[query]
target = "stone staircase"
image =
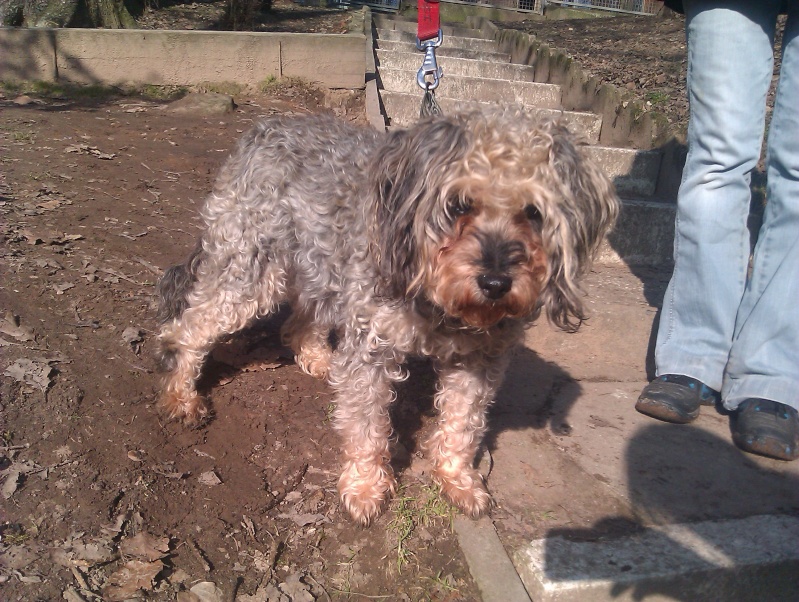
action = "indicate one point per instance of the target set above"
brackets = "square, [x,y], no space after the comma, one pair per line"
[475,73]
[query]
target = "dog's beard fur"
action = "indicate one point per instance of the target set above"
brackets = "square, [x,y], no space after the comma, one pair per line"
[443,240]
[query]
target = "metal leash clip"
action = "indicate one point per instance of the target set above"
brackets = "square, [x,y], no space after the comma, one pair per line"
[429,66]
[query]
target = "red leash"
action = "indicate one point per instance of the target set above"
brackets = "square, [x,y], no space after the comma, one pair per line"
[428,38]
[429,21]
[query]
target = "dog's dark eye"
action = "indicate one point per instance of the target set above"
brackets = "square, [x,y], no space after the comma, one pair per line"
[460,207]
[533,214]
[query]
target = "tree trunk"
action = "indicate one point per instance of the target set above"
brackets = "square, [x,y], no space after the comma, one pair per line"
[111,14]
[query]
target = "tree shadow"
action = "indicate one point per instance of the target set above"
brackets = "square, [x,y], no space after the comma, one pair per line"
[34,55]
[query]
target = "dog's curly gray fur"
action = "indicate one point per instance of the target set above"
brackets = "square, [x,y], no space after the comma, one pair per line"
[445,240]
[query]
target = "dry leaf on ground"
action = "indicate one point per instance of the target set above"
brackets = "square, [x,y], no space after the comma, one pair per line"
[30,372]
[130,578]
[145,546]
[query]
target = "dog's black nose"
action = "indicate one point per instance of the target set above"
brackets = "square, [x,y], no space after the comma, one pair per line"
[493,285]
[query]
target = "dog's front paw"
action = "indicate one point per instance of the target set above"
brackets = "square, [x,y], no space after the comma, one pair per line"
[190,409]
[466,492]
[365,489]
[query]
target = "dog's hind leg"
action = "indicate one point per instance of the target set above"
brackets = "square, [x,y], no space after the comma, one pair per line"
[310,342]
[227,291]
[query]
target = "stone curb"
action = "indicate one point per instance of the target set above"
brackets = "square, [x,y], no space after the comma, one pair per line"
[488,562]
[754,558]
[373,113]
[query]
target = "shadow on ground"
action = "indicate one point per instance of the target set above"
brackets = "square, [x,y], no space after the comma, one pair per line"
[683,475]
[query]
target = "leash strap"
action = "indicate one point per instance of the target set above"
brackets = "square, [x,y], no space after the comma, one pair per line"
[429,22]
[428,38]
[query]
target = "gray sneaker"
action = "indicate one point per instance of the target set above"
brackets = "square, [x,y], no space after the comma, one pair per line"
[675,398]
[766,428]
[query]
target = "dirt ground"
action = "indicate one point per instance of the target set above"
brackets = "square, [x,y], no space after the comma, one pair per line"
[285,15]
[101,497]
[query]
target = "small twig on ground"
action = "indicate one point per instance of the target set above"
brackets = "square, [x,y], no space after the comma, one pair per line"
[201,556]
[116,198]
[122,276]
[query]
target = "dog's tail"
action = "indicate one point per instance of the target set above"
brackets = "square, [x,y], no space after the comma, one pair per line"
[174,286]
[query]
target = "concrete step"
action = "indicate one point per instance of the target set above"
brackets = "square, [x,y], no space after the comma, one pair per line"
[390,21]
[644,234]
[411,61]
[753,558]
[403,110]
[476,88]
[444,52]
[449,42]
[633,171]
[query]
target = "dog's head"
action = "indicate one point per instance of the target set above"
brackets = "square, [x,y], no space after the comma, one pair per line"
[489,215]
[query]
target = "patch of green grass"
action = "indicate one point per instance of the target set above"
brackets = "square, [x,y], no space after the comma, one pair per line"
[442,585]
[277,85]
[153,92]
[548,515]
[44,89]
[329,412]
[22,136]
[434,507]
[402,526]
[229,88]
[39,177]
[15,539]
[269,84]
[65,90]
[411,512]
[657,98]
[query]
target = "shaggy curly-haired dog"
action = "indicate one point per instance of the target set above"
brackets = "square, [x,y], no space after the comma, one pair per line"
[443,240]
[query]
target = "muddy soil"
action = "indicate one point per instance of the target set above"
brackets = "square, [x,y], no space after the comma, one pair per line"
[100,496]
[285,16]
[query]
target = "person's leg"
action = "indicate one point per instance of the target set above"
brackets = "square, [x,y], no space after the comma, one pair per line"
[730,58]
[761,384]
[764,361]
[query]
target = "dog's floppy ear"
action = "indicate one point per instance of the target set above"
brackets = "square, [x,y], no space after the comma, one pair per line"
[586,208]
[406,178]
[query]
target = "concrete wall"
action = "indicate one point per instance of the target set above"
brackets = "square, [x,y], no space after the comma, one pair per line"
[158,57]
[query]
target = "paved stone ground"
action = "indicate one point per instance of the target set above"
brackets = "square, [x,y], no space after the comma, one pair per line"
[574,462]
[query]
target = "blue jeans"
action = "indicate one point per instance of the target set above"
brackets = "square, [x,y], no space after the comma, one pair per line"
[734,329]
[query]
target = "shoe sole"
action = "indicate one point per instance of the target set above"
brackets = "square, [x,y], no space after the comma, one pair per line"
[758,428]
[664,411]
[765,446]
